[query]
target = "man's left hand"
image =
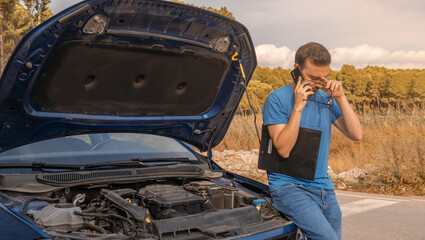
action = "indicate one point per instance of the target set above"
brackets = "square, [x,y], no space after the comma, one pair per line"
[336,88]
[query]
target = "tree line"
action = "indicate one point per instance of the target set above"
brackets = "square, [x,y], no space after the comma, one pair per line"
[17,17]
[368,88]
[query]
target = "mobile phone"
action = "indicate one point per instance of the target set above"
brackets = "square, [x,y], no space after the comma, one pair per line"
[297,73]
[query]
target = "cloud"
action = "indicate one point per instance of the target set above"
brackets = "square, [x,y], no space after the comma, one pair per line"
[59,5]
[360,56]
[271,56]
[391,24]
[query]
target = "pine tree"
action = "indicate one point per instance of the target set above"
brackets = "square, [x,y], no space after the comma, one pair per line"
[16,19]
[38,10]
[6,11]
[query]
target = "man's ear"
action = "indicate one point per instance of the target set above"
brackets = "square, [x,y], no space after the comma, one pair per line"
[295,65]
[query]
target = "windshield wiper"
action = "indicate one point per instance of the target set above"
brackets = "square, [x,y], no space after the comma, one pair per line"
[122,163]
[139,162]
[38,166]
[183,159]
[133,162]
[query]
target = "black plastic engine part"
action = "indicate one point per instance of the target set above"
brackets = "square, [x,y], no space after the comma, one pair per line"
[137,212]
[208,224]
[159,197]
[221,197]
[247,194]
[170,213]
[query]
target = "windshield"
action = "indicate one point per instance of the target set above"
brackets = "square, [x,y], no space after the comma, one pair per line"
[99,147]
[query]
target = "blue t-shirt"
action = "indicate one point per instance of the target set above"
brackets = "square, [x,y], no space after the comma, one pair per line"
[277,110]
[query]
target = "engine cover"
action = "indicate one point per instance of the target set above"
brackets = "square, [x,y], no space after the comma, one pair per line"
[159,198]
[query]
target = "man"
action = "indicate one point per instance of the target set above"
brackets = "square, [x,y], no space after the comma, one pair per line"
[310,203]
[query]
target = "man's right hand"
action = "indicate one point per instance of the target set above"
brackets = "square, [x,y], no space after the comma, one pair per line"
[284,136]
[302,91]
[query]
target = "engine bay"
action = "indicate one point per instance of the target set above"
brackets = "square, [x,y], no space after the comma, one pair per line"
[178,209]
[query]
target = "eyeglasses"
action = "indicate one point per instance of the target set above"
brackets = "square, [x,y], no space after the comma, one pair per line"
[327,100]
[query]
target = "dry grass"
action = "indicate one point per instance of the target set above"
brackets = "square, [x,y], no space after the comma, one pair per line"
[394,142]
[241,134]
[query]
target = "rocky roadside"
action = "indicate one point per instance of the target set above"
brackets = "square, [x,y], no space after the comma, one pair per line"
[245,163]
[241,162]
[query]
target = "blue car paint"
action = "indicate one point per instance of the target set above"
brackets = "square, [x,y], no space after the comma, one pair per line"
[23,123]
[13,226]
[272,233]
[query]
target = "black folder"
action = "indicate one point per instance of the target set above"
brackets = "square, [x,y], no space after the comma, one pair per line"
[302,160]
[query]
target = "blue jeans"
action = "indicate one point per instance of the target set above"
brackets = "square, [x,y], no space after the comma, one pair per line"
[315,211]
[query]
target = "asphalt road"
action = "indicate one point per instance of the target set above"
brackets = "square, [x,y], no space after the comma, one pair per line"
[371,216]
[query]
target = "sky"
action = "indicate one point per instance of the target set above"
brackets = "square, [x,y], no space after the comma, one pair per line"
[388,33]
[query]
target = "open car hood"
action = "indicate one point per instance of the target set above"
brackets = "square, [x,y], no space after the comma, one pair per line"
[126,66]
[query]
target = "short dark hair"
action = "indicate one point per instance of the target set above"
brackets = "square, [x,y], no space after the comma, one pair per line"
[316,52]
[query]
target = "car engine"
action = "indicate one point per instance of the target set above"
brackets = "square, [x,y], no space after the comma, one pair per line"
[167,210]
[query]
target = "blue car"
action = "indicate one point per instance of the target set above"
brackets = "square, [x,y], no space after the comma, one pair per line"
[101,108]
